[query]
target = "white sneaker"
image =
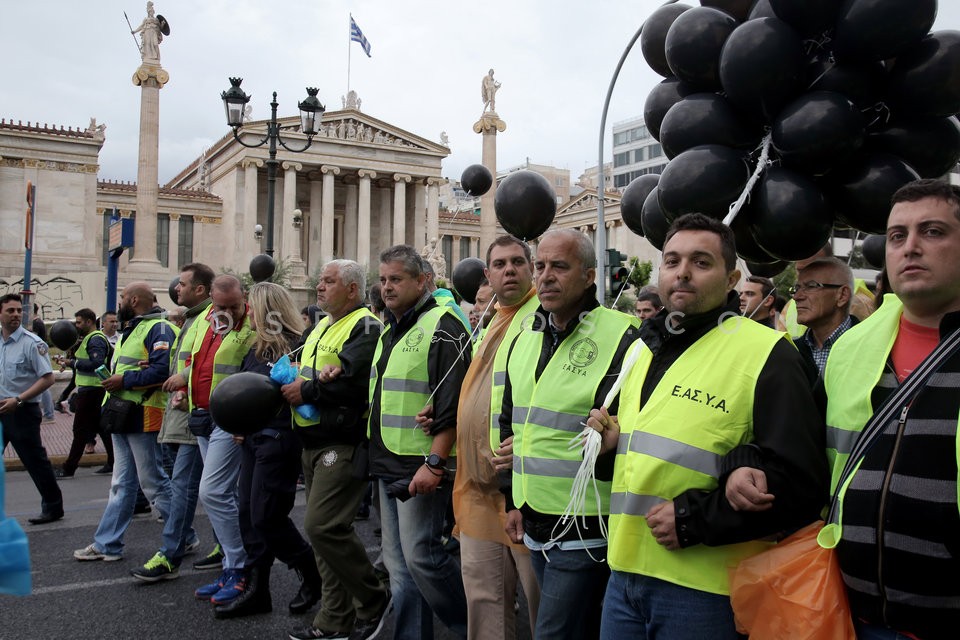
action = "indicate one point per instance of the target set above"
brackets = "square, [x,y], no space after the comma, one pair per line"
[90,552]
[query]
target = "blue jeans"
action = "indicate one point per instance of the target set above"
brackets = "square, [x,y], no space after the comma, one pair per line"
[185,483]
[423,576]
[571,591]
[136,458]
[46,404]
[872,632]
[646,608]
[218,494]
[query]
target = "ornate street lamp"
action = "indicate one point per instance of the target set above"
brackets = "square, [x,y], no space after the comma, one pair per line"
[311,110]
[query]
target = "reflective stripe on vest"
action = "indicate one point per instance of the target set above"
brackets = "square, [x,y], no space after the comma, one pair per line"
[185,341]
[323,347]
[548,412]
[130,353]
[854,367]
[700,410]
[230,354]
[522,319]
[405,386]
[84,379]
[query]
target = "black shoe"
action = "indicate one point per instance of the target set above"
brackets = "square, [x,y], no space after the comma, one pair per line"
[369,629]
[363,513]
[46,517]
[104,469]
[312,633]
[213,560]
[142,510]
[311,587]
[60,474]
[254,599]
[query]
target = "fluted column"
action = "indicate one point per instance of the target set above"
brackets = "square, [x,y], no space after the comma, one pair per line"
[289,235]
[419,213]
[350,217]
[363,217]
[326,213]
[250,194]
[384,222]
[399,208]
[433,208]
[312,228]
[455,251]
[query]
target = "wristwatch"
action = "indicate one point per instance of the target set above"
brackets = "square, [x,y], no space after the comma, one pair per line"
[19,400]
[434,461]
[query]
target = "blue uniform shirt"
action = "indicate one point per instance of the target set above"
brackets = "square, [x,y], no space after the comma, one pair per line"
[24,359]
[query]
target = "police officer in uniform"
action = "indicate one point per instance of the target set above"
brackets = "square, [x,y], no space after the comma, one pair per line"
[25,373]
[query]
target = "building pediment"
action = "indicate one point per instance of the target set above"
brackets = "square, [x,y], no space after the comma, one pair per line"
[589,200]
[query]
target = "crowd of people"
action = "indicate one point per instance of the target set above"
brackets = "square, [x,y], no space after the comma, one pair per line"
[725,420]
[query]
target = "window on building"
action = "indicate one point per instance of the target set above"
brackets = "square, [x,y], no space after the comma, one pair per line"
[185,241]
[639,155]
[620,159]
[654,151]
[163,239]
[621,180]
[622,137]
[446,246]
[639,133]
[464,248]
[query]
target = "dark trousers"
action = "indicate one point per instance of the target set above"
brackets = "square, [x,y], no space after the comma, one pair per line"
[21,428]
[86,426]
[267,488]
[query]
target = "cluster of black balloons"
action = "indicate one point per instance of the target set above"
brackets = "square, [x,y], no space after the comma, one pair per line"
[854,98]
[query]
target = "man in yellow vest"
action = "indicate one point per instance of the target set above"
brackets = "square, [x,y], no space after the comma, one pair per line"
[354,600]
[146,338]
[561,365]
[710,392]
[900,519]
[421,359]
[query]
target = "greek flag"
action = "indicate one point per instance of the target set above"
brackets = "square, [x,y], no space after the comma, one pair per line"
[357,36]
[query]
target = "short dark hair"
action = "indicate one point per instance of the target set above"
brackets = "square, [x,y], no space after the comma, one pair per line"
[200,274]
[700,222]
[779,302]
[108,313]
[412,262]
[86,314]
[376,300]
[483,282]
[10,297]
[766,284]
[650,296]
[928,188]
[505,241]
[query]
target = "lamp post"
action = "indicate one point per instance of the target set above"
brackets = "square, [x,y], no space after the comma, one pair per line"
[234,101]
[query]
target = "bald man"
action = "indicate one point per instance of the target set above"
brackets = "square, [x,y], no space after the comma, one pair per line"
[133,414]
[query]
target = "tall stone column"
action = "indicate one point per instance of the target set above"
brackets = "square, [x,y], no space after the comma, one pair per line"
[250,195]
[384,221]
[399,208]
[289,234]
[311,223]
[150,77]
[488,125]
[173,248]
[363,217]
[419,213]
[326,213]
[433,208]
[350,217]
[455,256]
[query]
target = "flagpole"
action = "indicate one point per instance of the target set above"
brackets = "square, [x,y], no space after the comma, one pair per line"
[349,40]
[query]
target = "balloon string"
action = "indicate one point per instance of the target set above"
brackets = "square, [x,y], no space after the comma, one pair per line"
[745,195]
[620,293]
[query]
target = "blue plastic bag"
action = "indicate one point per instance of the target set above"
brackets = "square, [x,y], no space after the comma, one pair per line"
[284,372]
[14,552]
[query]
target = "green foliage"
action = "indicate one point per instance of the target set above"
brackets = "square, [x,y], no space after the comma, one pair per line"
[785,279]
[639,272]
[281,275]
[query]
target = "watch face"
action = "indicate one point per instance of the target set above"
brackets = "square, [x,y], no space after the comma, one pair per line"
[434,460]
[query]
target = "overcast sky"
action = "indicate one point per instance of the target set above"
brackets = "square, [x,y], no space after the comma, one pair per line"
[67,61]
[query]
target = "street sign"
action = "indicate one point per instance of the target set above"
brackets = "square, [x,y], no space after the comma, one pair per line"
[121,234]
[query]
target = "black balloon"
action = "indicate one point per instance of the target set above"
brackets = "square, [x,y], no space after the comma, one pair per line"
[663,96]
[817,131]
[930,145]
[874,250]
[705,179]
[861,193]
[761,67]
[655,224]
[466,277]
[808,17]
[877,29]
[747,247]
[632,199]
[476,180]
[63,334]
[654,35]
[262,267]
[704,118]
[693,45]
[790,218]
[245,402]
[739,9]
[172,290]
[864,83]
[525,204]
[925,80]
[762,9]
[767,270]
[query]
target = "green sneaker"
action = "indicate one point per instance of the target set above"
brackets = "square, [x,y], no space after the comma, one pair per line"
[213,560]
[157,568]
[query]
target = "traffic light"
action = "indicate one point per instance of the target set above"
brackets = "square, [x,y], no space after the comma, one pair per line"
[618,273]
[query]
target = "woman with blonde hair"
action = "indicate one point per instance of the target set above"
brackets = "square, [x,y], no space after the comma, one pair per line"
[270,465]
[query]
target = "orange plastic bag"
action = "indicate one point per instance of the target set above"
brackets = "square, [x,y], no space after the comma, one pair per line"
[792,591]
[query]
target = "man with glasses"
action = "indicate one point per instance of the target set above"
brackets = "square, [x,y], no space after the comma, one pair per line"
[823,295]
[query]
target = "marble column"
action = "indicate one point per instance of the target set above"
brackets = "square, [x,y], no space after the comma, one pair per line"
[150,77]
[384,222]
[488,125]
[289,234]
[350,217]
[455,252]
[419,213]
[363,217]
[399,208]
[433,208]
[313,228]
[250,215]
[173,244]
[326,213]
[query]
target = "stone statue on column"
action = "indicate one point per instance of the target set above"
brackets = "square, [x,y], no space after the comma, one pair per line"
[151,35]
[488,91]
[431,254]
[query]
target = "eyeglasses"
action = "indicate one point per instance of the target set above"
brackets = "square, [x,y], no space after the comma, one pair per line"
[812,285]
